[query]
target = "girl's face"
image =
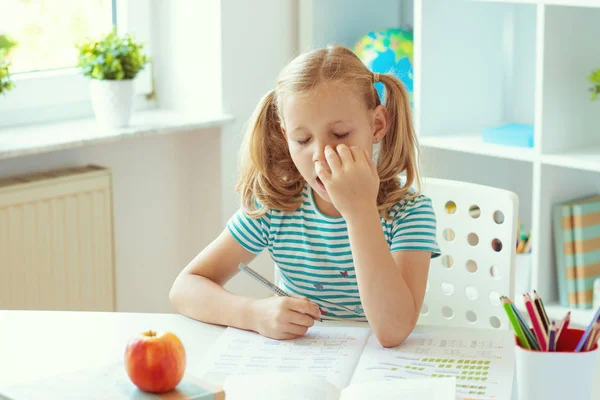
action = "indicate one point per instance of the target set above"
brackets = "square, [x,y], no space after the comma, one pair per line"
[329,115]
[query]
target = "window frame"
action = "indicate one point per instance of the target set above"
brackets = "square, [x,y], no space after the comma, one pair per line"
[65,93]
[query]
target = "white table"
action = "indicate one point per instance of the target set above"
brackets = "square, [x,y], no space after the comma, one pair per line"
[38,344]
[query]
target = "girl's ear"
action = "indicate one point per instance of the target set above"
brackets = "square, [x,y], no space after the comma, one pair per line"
[380,123]
[283,131]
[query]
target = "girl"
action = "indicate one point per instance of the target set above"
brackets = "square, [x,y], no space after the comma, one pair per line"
[339,226]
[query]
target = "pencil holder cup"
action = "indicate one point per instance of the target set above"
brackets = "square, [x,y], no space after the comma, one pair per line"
[561,374]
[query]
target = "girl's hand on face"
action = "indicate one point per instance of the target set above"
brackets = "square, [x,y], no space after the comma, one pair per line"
[351,179]
[284,317]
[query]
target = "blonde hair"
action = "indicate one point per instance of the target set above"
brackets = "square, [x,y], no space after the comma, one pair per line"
[268,177]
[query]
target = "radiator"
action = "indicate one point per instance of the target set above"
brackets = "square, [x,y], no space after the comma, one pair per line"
[56,241]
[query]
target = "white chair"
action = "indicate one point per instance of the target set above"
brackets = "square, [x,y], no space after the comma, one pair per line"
[477,233]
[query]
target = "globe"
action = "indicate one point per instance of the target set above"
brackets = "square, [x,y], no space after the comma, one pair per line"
[388,51]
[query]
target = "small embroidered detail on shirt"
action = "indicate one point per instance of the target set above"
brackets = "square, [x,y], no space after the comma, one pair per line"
[323,312]
[344,273]
[319,286]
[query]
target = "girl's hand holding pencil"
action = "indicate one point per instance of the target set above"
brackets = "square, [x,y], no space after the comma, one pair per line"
[545,333]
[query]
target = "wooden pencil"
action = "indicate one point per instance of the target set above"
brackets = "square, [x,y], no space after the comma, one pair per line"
[552,337]
[542,336]
[541,310]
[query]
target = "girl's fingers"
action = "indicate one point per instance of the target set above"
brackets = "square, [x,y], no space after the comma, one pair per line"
[307,308]
[295,329]
[358,155]
[300,319]
[345,154]
[322,172]
[333,159]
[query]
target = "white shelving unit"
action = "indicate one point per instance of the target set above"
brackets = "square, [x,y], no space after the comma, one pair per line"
[481,63]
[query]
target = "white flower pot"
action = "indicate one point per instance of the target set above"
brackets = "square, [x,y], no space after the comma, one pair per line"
[112,102]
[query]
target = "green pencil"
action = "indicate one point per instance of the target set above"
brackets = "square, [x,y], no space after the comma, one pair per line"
[515,324]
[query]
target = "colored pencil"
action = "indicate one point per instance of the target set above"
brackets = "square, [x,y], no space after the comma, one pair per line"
[552,337]
[541,335]
[515,324]
[541,310]
[562,327]
[593,336]
[586,334]
[533,343]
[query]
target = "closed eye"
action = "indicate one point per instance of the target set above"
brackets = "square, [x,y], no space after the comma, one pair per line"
[305,141]
[341,135]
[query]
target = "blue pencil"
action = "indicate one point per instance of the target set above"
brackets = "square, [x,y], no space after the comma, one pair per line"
[586,334]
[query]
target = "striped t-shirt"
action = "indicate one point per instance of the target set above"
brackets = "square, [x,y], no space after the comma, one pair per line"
[313,251]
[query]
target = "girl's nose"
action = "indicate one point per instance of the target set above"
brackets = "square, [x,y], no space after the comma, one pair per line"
[319,153]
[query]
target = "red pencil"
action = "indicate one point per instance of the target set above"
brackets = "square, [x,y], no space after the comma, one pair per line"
[542,336]
[562,327]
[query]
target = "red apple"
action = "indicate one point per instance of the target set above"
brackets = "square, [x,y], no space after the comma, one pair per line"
[155,361]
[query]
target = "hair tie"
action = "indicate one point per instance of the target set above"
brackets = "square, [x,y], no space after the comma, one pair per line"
[375,77]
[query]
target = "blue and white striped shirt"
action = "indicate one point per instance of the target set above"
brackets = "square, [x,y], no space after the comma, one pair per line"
[313,251]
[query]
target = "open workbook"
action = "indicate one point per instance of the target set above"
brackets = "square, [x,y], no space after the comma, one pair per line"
[338,362]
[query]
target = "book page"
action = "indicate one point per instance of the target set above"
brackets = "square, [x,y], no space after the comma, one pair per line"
[279,385]
[405,389]
[330,352]
[481,360]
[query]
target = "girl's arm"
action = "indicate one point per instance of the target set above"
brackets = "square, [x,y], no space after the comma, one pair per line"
[391,285]
[199,294]
[198,290]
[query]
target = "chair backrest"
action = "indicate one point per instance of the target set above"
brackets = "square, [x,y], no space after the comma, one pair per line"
[476,232]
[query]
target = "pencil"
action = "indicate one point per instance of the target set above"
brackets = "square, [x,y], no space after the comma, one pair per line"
[532,340]
[537,326]
[541,310]
[515,324]
[593,337]
[552,337]
[586,334]
[562,327]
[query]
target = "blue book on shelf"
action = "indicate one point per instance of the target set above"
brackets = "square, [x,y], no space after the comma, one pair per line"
[520,135]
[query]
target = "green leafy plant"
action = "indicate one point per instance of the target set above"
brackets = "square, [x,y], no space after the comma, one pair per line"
[113,57]
[594,79]
[6,42]
[5,83]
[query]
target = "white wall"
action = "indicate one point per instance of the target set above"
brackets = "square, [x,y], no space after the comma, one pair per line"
[187,55]
[258,38]
[162,213]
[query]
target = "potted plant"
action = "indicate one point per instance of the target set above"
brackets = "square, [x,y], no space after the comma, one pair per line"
[594,79]
[112,63]
[5,83]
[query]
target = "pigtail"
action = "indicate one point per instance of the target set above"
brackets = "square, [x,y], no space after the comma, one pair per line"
[268,178]
[398,152]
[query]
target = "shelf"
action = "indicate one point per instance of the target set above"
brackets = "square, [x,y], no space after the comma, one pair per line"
[582,158]
[571,3]
[472,143]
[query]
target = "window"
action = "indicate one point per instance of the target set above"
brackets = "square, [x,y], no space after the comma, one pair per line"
[41,36]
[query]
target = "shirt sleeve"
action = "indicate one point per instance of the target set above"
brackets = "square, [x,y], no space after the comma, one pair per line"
[414,227]
[252,234]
